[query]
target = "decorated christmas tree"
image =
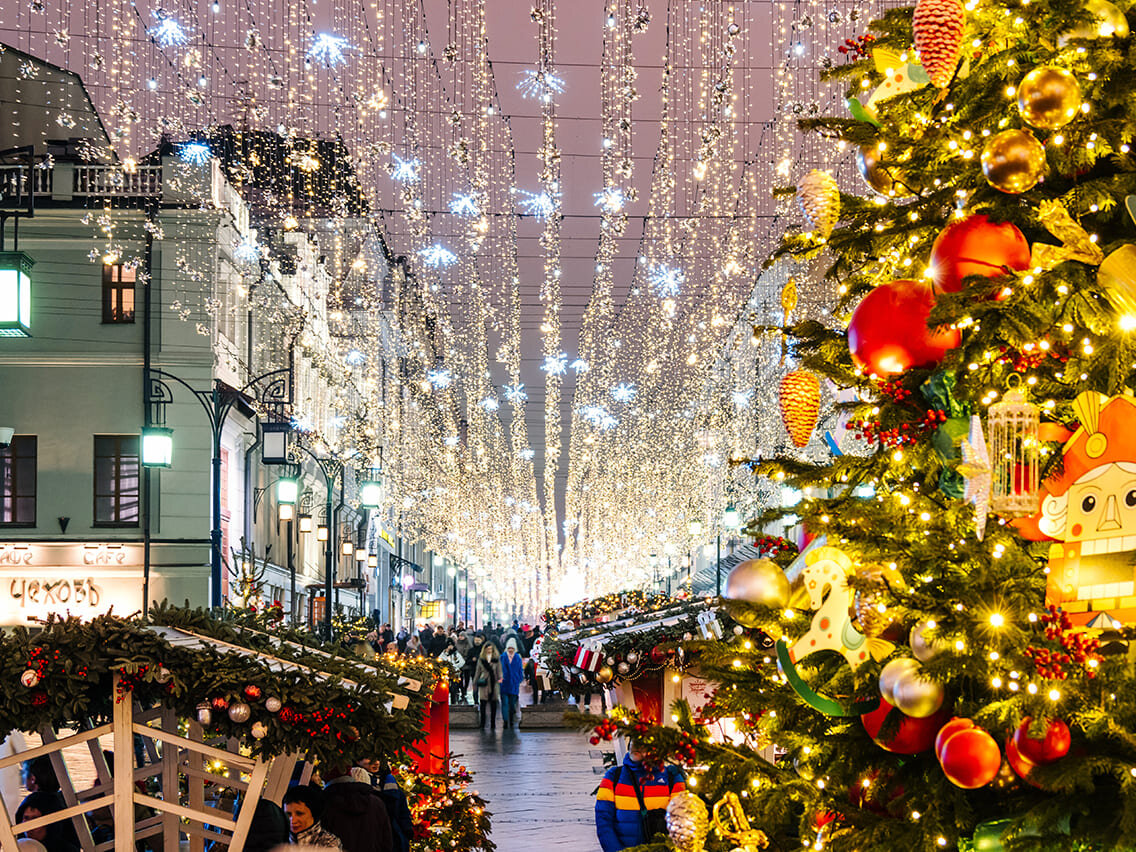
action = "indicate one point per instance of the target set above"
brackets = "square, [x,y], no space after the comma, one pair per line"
[947,664]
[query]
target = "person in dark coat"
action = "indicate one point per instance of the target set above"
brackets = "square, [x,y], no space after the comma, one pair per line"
[54,837]
[304,805]
[269,827]
[512,675]
[398,809]
[487,681]
[356,813]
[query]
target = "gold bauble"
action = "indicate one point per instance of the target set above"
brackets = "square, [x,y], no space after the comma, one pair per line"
[1110,21]
[884,179]
[1118,275]
[1013,161]
[891,674]
[756,581]
[1049,97]
[924,648]
[688,822]
[873,601]
[917,696]
[605,674]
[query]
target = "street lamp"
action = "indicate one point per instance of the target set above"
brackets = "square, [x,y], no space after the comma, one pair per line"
[15,294]
[322,532]
[305,520]
[274,442]
[371,491]
[695,528]
[157,446]
[730,520]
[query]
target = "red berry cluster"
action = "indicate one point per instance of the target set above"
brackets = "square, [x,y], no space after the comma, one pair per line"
[128,681]
[771,545]
[684,751]
[1024,361]
[857,47]
[904,433]
[893,390]
[605,730]
[1078,647]
[318,722]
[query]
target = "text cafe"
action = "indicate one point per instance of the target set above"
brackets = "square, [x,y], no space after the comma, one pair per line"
[78,579]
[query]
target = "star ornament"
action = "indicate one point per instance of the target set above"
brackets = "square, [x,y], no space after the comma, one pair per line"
[976,469]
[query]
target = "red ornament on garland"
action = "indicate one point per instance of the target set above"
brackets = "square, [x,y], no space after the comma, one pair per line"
[252,692]
[799,398]
[913,736]
[976,246]
[1053,745]
[888,332]
[938,29]
[970,758]
[659,655]
[220,703]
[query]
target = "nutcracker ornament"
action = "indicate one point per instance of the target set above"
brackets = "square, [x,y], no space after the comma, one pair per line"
[1089,509]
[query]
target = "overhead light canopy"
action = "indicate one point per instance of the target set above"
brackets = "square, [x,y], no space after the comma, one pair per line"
[15,294]
[157,446]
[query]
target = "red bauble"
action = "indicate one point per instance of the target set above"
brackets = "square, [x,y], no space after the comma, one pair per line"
[976,246]
[888,332]
[252,691]
[971,758]
[220,703]
[913,736]
[659,655]
[1054,745]
[594,740]
[949,730]
[1020,764]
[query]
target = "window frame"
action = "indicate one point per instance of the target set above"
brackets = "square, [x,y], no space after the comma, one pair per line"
[112,287]
[7,454]
[118,494]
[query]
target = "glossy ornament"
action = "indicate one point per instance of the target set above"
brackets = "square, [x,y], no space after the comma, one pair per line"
[29,678]
[272,704]
[959,723]
[1013,161]
[259,730]
[688,822]
[204,715]
[1117,274]
[1013,424]
[976,246]
[756,581]
[605,674]
[916,695]
[938,29]
[911,737]
[819,199]
[1110,21]
[633,657]
[799,400]
[970,758]
[888,331]
[883,178]
[623,668]
[1049,97]
[922,647]
[164,675]
[872,603]
[239,712]
[1052,746]
[891,674]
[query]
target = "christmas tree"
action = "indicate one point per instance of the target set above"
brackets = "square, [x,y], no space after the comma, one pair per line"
[946,666]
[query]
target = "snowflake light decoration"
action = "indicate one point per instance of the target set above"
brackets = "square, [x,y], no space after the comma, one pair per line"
[195,153]
[741,398]
[580,365]
[594,414]
[464,205]
[329,49]
[608,422]
[623,392]
[354,358]
[338,421]
[438,256]
[611,199]
[537,84]
[452,440]
[515,393]
[405,171]
[169,33]
[538,205]
[247,251]
[667,280]
[557,365]
[303,423]
[440,378]
[527,454]
[490,403]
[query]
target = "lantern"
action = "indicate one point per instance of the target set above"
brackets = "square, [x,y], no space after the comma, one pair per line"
[15,294]
[1014,454]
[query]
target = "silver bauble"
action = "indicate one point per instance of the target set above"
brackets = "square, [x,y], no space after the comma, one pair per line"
[272,704]
[239,712]
[623,668]
[756,581]
[688,822]
[916,696]
[632,657]
[204,714]
[923,648]
[892,672]
[259,730]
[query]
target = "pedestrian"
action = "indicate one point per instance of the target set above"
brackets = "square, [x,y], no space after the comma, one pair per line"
[303,805]
[477,643]
[386,634]
[438,641]
[487,679]
[401,638]
[353,811]
[269,827]
[512,675]
[54,837]
[398,810]
[464,645]
[452,658]
[414,647]
[632,799]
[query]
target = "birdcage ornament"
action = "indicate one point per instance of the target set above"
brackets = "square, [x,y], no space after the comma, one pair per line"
[1014,454]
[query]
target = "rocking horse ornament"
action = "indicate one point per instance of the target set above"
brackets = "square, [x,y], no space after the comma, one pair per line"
[824,572]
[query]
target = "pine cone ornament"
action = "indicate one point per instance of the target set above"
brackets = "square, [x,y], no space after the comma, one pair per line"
[938,26]
[688,822]
[819,198]
[800,404]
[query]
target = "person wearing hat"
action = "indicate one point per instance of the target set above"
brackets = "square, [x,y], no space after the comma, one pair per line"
[303,805]
[632,799]
[464,645]
[487,679]
[512,675]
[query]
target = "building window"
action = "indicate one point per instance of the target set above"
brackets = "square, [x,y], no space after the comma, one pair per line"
[116,480]
[118,293]
[18,482]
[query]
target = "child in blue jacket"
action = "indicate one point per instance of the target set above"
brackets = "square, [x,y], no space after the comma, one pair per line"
[619,822]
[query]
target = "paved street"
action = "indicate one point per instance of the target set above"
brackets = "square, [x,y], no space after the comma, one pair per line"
[538,784]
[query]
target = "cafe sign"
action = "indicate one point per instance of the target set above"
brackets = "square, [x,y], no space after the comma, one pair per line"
[83,580]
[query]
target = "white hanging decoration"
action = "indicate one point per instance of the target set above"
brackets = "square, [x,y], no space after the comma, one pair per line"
[975,468]
[1014,451]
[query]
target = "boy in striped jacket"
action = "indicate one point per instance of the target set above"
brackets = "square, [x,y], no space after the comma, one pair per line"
[620,818]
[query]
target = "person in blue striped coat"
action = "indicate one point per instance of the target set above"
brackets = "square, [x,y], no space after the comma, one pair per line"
[631,798]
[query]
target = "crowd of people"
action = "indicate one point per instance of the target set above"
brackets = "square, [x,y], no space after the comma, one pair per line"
[488,666]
